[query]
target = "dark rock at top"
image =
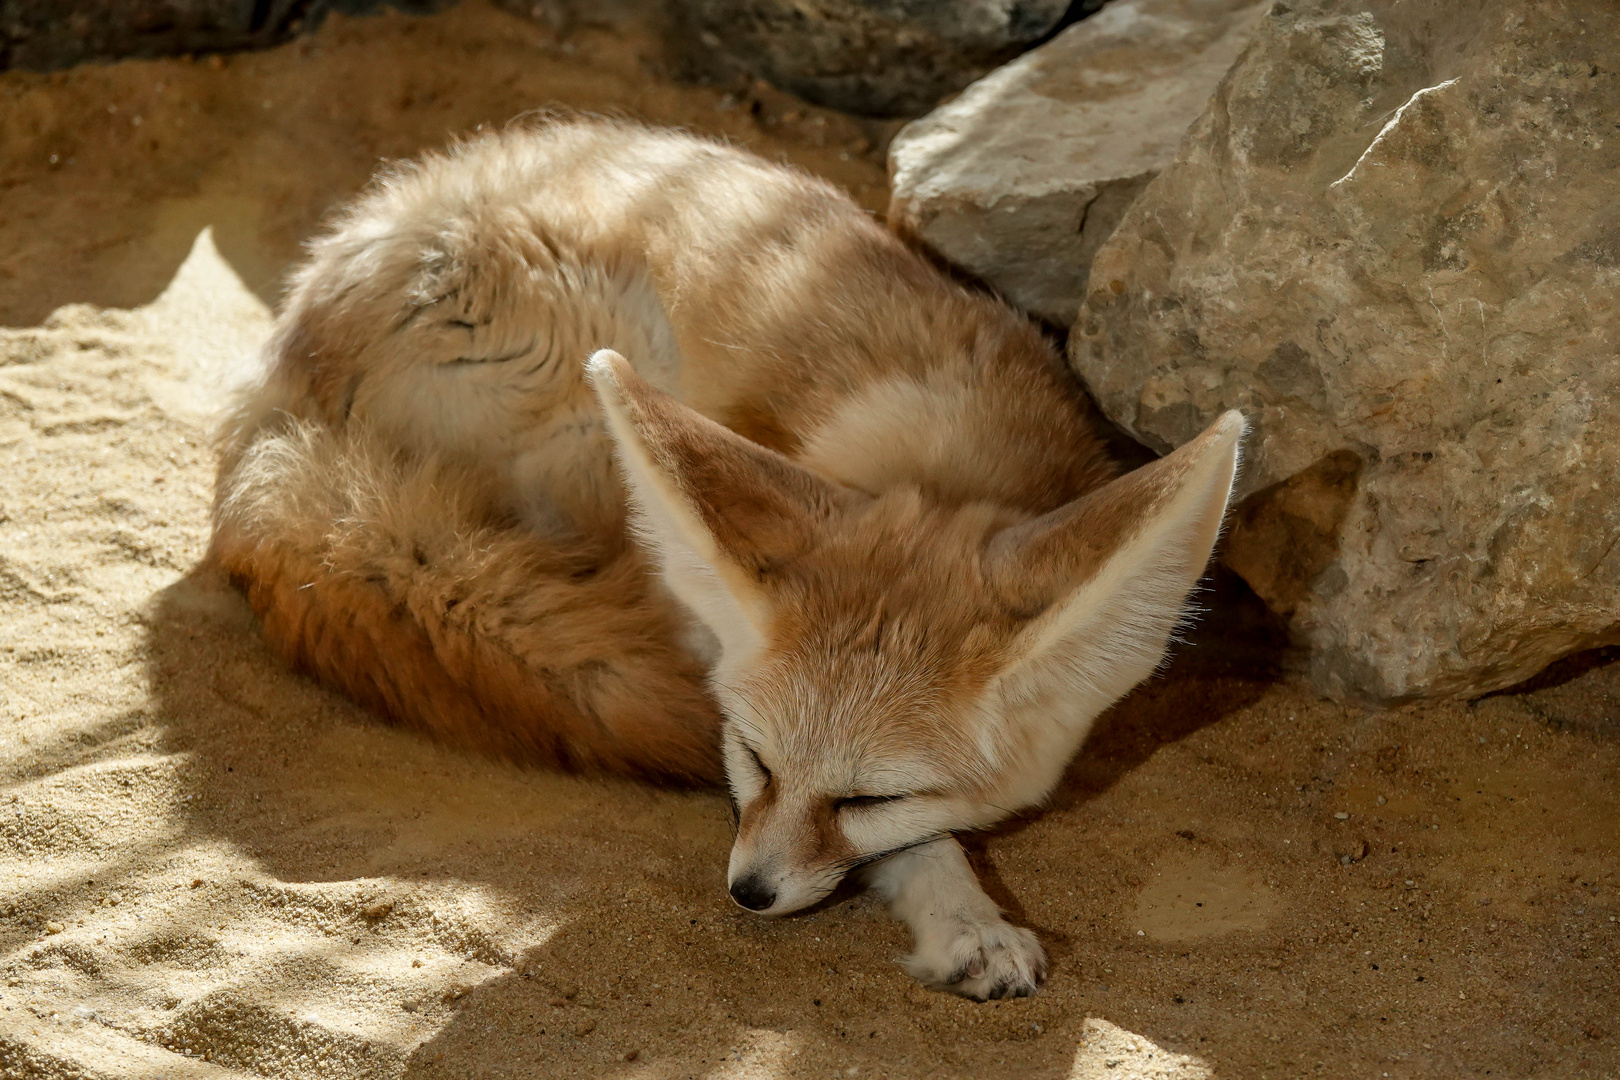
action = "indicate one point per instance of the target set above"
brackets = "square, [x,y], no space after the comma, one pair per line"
[46,34]
[875,57]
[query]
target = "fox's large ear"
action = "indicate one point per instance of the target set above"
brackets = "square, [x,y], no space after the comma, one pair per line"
[1105,579]
[720,512]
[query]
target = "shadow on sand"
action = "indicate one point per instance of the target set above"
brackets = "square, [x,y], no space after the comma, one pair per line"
[640,952]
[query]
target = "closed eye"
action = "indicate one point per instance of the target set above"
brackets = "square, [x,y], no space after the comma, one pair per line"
[766,773]
[859,802]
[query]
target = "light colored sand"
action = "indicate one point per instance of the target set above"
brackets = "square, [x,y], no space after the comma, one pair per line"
[202,851]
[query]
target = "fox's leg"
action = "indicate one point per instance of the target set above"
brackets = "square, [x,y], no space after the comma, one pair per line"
[962,943]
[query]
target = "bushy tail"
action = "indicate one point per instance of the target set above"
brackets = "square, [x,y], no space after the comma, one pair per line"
[389,581]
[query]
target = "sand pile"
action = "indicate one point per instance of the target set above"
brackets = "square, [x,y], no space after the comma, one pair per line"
[211,867]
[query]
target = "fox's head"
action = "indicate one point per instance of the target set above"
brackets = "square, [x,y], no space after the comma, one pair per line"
[892,670]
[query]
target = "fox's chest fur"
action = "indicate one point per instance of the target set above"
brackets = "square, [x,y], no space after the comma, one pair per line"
[895,577]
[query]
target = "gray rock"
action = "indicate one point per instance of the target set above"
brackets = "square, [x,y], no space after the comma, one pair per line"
[1393,239]
[1021,178]
[875,57]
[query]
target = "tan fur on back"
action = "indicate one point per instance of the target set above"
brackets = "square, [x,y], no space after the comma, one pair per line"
[420,497]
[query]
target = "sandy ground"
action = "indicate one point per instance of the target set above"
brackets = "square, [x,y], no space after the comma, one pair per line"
[210,867]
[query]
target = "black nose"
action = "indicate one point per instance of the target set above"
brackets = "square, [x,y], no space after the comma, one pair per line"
[753,893]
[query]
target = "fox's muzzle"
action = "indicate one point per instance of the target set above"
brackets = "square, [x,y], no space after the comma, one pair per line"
[768,886]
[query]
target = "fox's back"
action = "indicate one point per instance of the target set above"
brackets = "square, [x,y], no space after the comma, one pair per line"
[452,308]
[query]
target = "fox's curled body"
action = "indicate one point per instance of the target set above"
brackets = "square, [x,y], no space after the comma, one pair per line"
[828,531]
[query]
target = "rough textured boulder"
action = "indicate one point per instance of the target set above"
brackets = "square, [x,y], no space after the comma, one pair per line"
[1021,178]
[1393,239]
[877,57]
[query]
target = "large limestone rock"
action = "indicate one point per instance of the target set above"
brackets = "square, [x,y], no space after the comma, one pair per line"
[1393,239]
[877,57]
[1021,178]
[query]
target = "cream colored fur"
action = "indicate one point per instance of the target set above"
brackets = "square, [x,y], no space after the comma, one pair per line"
[896,579]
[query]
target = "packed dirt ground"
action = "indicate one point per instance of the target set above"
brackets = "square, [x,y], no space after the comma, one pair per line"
[211,867]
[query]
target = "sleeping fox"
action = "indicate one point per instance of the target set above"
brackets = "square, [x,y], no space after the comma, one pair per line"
[616,449]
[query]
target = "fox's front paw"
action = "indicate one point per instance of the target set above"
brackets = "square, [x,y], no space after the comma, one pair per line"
[980,961]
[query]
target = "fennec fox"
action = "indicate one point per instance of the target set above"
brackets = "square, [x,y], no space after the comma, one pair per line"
[621,450]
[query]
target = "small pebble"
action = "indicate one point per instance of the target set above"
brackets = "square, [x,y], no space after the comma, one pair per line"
[378,910]
[1341,816]
[54,928]
[585,1027]
[631,1055]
